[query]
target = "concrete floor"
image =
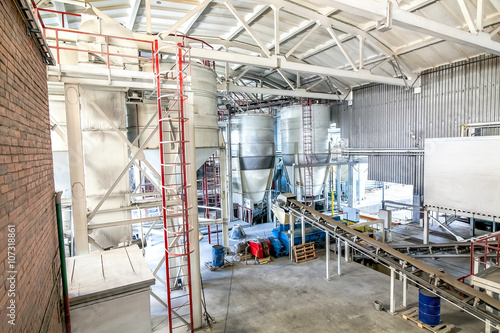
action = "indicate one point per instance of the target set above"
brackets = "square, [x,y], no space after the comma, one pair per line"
[285,297]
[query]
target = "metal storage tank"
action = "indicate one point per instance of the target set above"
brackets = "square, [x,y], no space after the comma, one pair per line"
[252,152]
[201,90]
[292,145]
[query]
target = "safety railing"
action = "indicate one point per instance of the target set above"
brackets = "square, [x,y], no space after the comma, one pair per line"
[65,39]
[485,253]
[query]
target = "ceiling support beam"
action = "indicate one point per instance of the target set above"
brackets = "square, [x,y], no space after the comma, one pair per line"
[186,17]
[256,14]
[63,19]
[277,92]
[361,52]
[480,15]
[467,16]
[148,17]
[286,79]
[280,62]
[133,14]
[189,24]
[242,73]
[247,28]
[342,48]
[276,29]
[496,4]
[376,11]
[294,32]
[302,40]
[315,83]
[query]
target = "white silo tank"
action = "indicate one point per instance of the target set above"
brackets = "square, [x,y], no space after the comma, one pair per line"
[252,151]
[292,143]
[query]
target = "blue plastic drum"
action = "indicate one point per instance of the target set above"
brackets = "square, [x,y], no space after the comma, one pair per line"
[429,308]
[217,255]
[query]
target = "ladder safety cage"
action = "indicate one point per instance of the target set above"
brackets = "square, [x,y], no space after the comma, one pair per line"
[174,164]
[307,147]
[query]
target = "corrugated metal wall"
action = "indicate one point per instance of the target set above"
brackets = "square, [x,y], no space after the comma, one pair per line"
[383,116]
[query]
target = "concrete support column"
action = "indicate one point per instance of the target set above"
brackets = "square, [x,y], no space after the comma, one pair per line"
[392,300]
[193,221]
[472,225]
[426,227]
[76,168]
[224,193]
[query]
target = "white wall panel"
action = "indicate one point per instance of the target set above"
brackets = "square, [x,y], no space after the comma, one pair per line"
[463,174]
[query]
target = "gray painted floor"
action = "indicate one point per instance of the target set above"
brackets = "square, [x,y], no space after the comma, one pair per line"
[286,297]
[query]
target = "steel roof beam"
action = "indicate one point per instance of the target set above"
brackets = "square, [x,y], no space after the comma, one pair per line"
[133,14]
[256,14]
[401,18]
[277,92]
[186,18]
[247,28]
[280,62]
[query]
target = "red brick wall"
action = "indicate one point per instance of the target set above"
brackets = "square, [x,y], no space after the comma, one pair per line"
[26,182]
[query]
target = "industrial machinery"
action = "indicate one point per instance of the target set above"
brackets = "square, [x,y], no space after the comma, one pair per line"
[252,153]
[465,297]
[306,148]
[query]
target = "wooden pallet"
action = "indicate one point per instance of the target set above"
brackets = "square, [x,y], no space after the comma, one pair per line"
[209,265]
[412,315]
[304,252]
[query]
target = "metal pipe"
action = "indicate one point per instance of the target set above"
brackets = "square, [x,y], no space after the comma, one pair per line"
[327,246]
[76,168]
[229,169]
[269,203]
[392,301]
[338,179]
[224,191]
[292,234]
[62,257]
[303,231]
[339,257]
[346,250]
[426,227]
[405,290]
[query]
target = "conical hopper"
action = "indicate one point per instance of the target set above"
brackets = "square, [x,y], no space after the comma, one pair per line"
[252,151]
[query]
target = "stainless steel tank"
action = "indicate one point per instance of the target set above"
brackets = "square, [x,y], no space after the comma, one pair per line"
[252,152]
[292,145]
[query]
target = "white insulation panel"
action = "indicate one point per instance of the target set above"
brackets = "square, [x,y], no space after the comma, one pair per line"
[463,174]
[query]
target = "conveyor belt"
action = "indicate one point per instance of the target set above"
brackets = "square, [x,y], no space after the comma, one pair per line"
[446,286]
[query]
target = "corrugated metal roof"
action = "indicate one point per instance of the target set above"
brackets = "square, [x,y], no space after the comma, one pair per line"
[415,50]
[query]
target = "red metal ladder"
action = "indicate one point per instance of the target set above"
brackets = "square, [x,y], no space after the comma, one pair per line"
[308,143]
[211,190]
[174,183]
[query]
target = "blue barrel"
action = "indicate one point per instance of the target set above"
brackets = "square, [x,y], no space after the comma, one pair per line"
[217,255]
[429,308]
